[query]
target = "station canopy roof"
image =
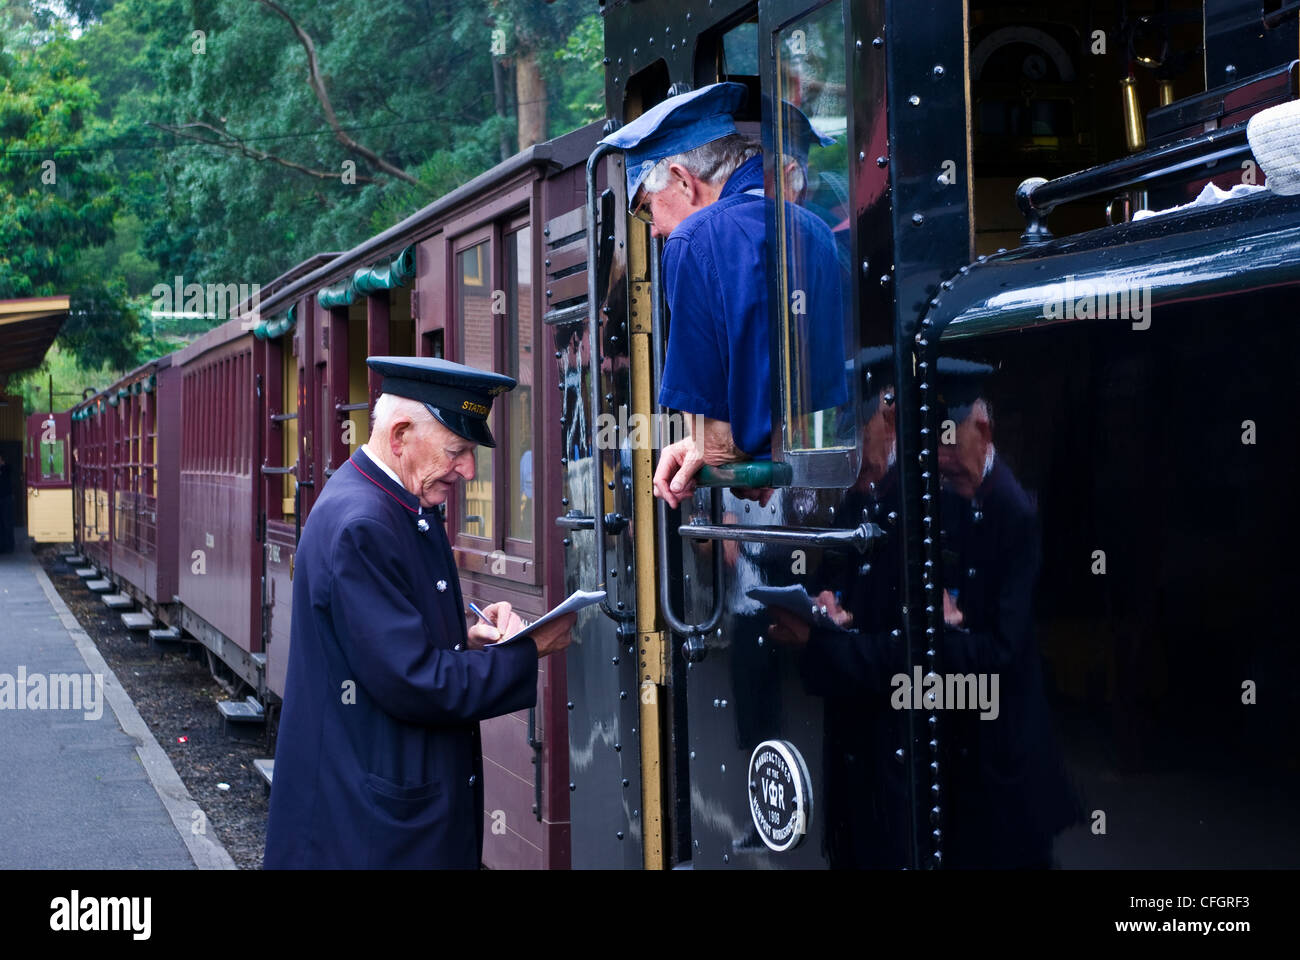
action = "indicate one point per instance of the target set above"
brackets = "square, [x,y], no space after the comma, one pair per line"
[27,328]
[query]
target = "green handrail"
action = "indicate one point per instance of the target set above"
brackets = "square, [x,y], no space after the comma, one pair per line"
[748,473]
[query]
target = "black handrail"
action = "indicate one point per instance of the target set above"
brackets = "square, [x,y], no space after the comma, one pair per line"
[1037,197]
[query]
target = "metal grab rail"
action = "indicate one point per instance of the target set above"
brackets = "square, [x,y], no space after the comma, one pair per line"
[1037,197]
[675,623]
[593,333]
[861,538]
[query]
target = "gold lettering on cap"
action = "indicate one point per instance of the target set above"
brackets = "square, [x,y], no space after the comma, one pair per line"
[475,408]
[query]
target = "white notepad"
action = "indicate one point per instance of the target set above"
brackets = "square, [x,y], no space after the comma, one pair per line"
[572,604]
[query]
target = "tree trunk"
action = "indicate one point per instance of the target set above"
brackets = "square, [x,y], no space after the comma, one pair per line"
[530,91]
[499,93]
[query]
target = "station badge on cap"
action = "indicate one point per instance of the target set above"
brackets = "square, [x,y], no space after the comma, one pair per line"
[674,126]
[459,397]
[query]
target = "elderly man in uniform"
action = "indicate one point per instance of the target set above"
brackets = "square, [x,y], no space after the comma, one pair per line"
[699,183]
[378,761]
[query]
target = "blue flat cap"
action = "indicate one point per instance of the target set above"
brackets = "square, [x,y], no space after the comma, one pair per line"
[674,126]
[459,397]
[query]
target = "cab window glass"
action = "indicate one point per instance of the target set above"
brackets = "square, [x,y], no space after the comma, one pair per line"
[817,336]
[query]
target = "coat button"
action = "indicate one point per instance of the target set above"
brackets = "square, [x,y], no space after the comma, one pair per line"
[473,779]
[423,524]
[441,585]
[457,647]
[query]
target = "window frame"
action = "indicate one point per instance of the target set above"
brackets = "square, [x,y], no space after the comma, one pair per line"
[496,222]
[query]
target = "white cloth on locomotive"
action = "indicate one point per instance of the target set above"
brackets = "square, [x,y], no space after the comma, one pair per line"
[1209,197]
[1274,136]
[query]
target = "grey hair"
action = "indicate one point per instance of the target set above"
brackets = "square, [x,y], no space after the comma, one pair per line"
[713,162]
[390,407]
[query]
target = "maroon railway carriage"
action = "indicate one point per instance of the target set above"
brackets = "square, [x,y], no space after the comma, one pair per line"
[455,279]
[125,483]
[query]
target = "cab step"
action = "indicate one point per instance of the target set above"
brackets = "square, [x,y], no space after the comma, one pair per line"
[86,573]
[264,769]
[242,719]
[118,601]
[141,620]
[165,633]
[99,586]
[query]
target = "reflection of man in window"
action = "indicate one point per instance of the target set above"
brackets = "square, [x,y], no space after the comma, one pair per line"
[700,184]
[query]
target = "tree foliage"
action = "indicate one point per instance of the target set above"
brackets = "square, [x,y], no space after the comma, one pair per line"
[192,137]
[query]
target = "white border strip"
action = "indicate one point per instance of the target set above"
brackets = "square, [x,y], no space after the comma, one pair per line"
[207,852]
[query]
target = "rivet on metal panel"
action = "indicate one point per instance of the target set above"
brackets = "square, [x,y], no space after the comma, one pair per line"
[716,702]
[619,834]
[862,155]
[565,501]
[622,694]
[726,859]
[572,786]
[724,704]
[625,782]
[569,704]
[724,768]
[898,754]
[692,754]
[618,748]
[878,42]
[858,44]
[614,661]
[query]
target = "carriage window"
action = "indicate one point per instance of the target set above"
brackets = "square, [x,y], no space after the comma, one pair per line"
[473,280]
[519,364]
[52,467]
[818,338]
[288,428]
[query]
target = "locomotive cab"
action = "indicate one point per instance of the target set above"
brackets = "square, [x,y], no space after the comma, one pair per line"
[1004,507]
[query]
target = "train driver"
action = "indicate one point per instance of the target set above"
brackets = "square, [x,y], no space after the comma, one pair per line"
[379,761]
[699,183]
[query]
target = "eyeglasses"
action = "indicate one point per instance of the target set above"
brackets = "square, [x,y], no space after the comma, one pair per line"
[642,210]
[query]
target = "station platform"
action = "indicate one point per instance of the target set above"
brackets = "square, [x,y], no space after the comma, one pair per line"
[85,784]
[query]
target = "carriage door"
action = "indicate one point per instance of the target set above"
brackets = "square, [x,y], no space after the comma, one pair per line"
[587,320]
[49,484]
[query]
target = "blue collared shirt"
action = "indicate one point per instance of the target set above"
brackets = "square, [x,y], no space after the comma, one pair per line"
[716,286]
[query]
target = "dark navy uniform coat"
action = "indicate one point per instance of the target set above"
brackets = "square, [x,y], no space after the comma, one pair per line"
[378,762]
